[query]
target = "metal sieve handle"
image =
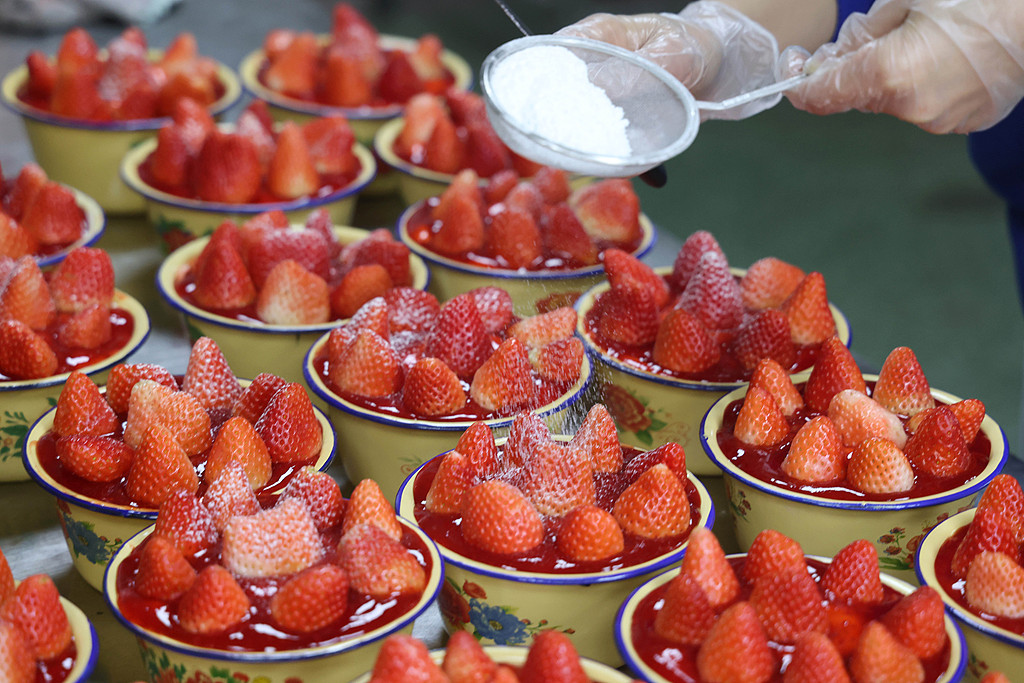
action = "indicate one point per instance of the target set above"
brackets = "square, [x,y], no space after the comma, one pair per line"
[752,95]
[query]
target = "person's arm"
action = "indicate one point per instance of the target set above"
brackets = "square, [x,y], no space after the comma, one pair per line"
[807,23]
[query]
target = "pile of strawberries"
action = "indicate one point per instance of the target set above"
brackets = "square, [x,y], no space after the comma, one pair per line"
[552,658]
[119,83]
[879,442]
[293,275]
[37,215]
[33,627]
[351,69]
[451,133]
[433,360]
[703,321]
[69,307]
[252,162]
[838,624]
[583,493]
[156,436]
[537,223]
[215,560]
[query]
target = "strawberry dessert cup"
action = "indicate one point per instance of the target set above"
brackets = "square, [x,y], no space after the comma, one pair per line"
[111,456]
[253,345]
[817,618]
[68,319]
[551,532]
[985,598]
[848,455]
[301,590]
[67,120]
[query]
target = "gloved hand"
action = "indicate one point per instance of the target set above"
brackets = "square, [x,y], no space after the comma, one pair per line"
[714,50]
[945,65]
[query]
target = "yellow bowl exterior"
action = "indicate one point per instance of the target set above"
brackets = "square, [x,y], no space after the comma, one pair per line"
[507,607]
[60,148]
[822,526]
[651,410]
[21,403]
[343,661]
[251,348]
[990,648]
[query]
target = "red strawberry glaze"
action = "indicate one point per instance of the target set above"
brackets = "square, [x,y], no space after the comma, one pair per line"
[445,531]
[56,669]
[122,326]
[257,632]
[955,587]
[765,463]
[421,229]
[678,662]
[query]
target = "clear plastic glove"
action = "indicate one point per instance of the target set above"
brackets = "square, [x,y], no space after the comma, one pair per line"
[714,50]
[945,65]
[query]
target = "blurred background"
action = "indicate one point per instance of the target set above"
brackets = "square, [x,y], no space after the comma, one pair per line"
[912,244]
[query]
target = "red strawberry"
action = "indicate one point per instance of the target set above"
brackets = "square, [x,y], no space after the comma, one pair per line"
[293,69]
[94,458]
[172,157]
[345,83]
[466,106]
[84,278]
[422,113]
[609,210]
[163,573]
[189,83]
[312,599]
[504,381]
[35,608]
[444,150]
[766,335]
[15,240]
[238,440]
[462,226]
[17,661]
[553,184]
[280,540]
[712,294]
[589,533]
[291,173]
[459,338]
[291,295]
[771,377]
[760,421]
[185,520]
[736,649]
[545,328]
[330,140]
[359,285]
[901,386]
[628,315]
[523,197]
[403,658]
[689,257]
[514,238]
[994,677]
[466,661]
[383,249]
[309,248]
[834,370]
[432,389]
[23,189]
[23,353]
[6,579]
[377,564]
[209,378]
[789,605]
[160,467]
[878,466]
[654,506]
[368,505]
[321,495]
[230,494]
[557,478]
[995,584]
[559,361]
[367,366]
[683,344]
[125,375]
[938,446]
[686,616]
[1004,494]
[399,81]
[853,577]
[816,453]
[598,438]
[42,75]
[671,454]
[565,237]
[810,317]
[448,488]
[54,217]
[75,95]
[552,659]
[528,434]
[289,426]
[87,329]
[214,602]
[989,530]
[486,154]
[411,309]
[845,624]
[477,444]
[970,413]
[223,282]
[918,621]
[251,126]
[706,564]
[195,121]
[857,416]
[769,282]
[81,409]
[773,552]
[625,270]
[879,658]
[25,297]
[227,169]
[497,518]
[255,397]
[814,659]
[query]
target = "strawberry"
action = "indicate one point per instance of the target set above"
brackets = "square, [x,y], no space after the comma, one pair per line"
[17,661]
[995,584]
[432,389]
[671,454]
[625,270]
[552,659]
[422,114]
[230,495]
[186,522]
[399,80]
[238,440]
[42,75]
[88,329]
[187,84]
[15,240]
[565,237]
[321,495]
[411,309]
[789,605]
[348,24]
[358,286]
[878,465]
[769,282]
[462,226]
[559,361]
[918,621]
[598,438]
[466,106]
[163,572]
[528,434]
[345,83]
[223,282]
[94,458]
[477,444]
[1004,494]
[553,184]
[504,381]
[588,534]
[81,409]
[23,353]
[444,150]
[609,210]
[773,552]
[514,238]
[180,53]
[544,328]
[293,69]
[969,413]
[160,467]
[75,96]
[367,366]
[766,335]
[291,295]
[705,563]
[879,658]
[330,140]
[312,599]
[35,608]
[989,530]
[689,257]
[654,506]
[686,615]
[367,505]
[834,370]
[213,603]
[736,649]
[209,378]
[426,58]
[523,197]
[816,453]
[852,576]
[994,677]
[23,189]
[712,294]
[377,564]
[308,247]
[255,397]
[857,416]
[466,661]
[810,318]
[683,344]
[6,579]
[774,379]
[280,540]
[249,125]
[448,488]
[382,249]
[84,278]
[845,625]
[901,386]
[54,217]
[938,446]
[557,478]
[25,297]
[497,518]
[291,173]
[227,169]
[289,426]
[628,315]
[124,376]
[403,658]
[486,154]
[459,338]
[814,659]
[760,421]
[171,159]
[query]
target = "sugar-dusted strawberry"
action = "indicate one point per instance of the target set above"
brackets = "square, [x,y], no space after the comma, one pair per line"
[94,458]
[449,486]
[857,416]
[834,370]
[403,658]
[789,604]
[477,444]
[552,659]
[85,277]
[293,70]
[366,366]
[160,467]
[628,315]
[229,495]
[995,584]
[815,658]
[654,506]
[589,533]
[810,318]
[291,295]
[251,126]
[311,599]
[292,173]
[769,282]
[1004,494]
[671,454]
[598,438]
[377,564]
[54,217]
[706,564]
[426,59]
[773,552]
[689,256]
[466,661]
[938,446]
[289,426]
[609,210]
[712,294]
[766,335]
[816,453]
[238,440]
[527,435]
[321,495]
[359,285]
[214,602]
[163,573]
[367,505]
[25,297]
[411,309]
[81,409]
[280,540]
[918,621]
[89,328]
[880,657]
[565,237]
[223,281]
[15,240]
[626,270]
[209,378]
[774,379]
[736,649]
[485,152]
[17,661]
[683,344]
[381,248]
[124,376]
[988,531]
[878,465]
[498,518]
[760,421]
[559,361]
[35,607]
[557,478]
[852,576]
[901,386]
[269,247]
[255,397]
[432,389]
[23,353]
[686,615]
[459,338]
[227,169]
[22,190]
[544,328]
[186,522]
[504,382]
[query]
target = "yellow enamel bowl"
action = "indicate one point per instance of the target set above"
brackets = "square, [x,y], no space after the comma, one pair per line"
[180,219]
[166,658]
[387,448]
[629,625]
[516,657]
[94,529]
[86,154]
[506,606]
[87,644]
[22,401]
[991,647]
[528,288]
[250,346]
[651,409]
[95,225]
[822,526]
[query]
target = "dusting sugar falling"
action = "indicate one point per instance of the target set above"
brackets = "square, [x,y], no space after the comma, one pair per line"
[545,89]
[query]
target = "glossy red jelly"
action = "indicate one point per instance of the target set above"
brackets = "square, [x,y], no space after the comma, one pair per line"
[56,669]
[678,663]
